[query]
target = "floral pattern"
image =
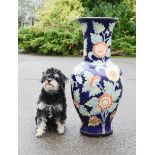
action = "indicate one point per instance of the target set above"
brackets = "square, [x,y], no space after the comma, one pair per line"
[94,80]
[112,73]
[105,101]
[84,27]
[78,70]
[79,79]
[96,38]
[103,89]
[96,83]
[109,42]
[98,27]
[85,47]
[100,49]
[111,26]
[94,121]
[100,40]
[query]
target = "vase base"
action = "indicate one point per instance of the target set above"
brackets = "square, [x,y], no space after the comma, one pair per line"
[97,135]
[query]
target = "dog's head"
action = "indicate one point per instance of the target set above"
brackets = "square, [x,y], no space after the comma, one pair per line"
[53,80]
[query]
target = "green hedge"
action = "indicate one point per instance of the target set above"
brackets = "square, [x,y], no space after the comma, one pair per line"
[50,42]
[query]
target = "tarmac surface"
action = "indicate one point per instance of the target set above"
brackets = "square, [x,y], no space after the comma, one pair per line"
[121,142]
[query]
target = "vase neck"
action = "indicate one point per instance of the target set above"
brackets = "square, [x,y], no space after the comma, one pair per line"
[97,34]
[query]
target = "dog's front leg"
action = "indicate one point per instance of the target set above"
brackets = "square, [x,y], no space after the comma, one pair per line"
[41,126]
[40,122]
[60,127]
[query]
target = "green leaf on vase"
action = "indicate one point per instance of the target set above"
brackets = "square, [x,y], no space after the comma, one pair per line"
[98,27]
[77,95]
[88,75]
[116,95]
[86,86]
[95,91]
[90,54]
[109,87]
[83,111]
[95,38]
[84,27]
[92,102]
[95,111]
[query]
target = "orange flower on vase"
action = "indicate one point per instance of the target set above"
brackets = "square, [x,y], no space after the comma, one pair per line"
[76,103]
[95,78]
[105,101]
[100,49]
[94,121]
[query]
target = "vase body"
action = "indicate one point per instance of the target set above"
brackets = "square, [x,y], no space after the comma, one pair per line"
[96,83]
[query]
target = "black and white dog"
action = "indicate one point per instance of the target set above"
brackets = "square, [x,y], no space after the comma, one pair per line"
[51,106]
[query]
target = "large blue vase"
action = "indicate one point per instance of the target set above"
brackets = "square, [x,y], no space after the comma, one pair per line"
[96,83]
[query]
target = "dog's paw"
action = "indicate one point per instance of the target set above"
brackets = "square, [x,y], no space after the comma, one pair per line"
[39,133]
[61,131]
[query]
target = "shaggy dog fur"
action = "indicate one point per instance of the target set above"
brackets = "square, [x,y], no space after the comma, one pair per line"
[51,106]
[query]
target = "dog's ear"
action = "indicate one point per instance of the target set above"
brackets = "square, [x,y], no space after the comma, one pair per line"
[43,77]
[65,78]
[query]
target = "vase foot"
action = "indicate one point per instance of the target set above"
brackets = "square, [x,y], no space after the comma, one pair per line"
[96,135]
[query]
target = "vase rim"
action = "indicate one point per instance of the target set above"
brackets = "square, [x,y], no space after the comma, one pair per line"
[111,18]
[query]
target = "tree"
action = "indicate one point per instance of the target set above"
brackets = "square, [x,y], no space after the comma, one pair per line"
[58,14]
[90,4]
[26,11]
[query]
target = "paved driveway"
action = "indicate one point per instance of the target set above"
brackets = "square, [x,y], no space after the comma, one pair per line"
[123,140]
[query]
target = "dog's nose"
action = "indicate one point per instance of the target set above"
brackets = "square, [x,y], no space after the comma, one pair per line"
[49,81]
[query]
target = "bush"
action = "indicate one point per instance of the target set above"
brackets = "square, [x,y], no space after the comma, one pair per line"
[126,45]
[51,42]
[25,36]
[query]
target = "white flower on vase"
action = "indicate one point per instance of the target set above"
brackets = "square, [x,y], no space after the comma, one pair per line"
[78,70]
[98,27]
[111,26]
[85,47]
[79,79]
[113,73]
[84,27]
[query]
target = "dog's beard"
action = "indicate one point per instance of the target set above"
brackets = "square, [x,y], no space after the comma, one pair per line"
[52,86]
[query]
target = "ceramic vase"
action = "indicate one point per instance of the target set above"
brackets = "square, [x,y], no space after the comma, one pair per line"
[96,83]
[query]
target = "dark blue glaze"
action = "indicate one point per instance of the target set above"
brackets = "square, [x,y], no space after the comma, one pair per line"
[96,85]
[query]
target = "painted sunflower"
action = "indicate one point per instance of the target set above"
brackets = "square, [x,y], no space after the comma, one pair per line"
[100,49]
[105,101]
